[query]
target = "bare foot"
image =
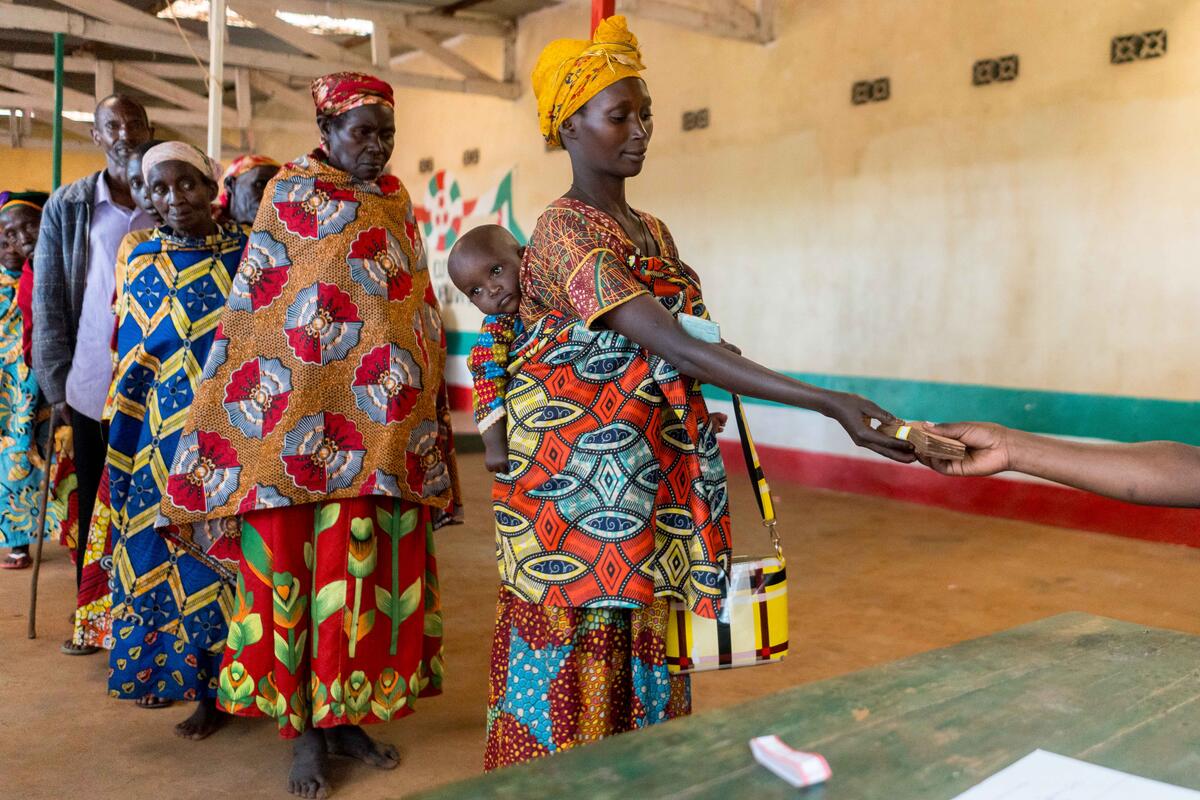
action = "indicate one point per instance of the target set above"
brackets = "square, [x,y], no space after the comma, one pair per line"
[307,777]
[352,741]
[203,722]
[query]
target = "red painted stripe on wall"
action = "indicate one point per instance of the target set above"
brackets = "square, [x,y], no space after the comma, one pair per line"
[1031,502]
[460,397]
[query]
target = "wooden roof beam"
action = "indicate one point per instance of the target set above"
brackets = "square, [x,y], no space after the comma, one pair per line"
[103,80]
[381,45]
[31,85]
[435,50]
[144,76]
[158,87]
[118,13]
[43,63]
[263,15]
[416,16]
[279,89]
[39,104]
[178,122]
[29,18]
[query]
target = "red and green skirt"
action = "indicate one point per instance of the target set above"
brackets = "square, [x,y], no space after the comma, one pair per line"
[562,677]
[338,618]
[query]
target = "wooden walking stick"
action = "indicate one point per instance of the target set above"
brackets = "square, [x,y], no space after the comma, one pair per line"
[41,523]
[60,45]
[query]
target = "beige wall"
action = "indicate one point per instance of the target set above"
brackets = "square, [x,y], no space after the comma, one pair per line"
[30,167]
[1041,233]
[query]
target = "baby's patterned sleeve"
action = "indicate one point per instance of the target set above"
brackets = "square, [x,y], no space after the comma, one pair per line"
[488,364]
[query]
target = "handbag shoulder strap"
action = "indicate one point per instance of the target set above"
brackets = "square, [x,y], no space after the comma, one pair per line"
[758,480]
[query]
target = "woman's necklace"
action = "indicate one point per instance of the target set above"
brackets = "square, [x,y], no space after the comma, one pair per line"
[640,248]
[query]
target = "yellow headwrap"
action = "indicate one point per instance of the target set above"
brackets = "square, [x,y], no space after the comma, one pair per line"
[569,72]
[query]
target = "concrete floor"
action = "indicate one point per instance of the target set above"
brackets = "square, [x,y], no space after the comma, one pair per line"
[871,581]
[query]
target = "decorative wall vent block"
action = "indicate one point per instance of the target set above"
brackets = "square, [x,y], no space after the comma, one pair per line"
[471,157]
[425,165]
[1154,44]
[695,120]
[1138,47]
[991,70]
[875,91]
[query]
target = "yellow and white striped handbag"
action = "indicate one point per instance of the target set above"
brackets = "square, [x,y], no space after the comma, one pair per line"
[752,627]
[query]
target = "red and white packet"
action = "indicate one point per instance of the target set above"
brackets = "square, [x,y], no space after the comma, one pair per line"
[798,768]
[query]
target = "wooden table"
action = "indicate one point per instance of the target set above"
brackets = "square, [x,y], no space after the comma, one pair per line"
[927,727]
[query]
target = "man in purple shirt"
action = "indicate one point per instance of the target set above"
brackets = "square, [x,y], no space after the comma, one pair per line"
[74,278]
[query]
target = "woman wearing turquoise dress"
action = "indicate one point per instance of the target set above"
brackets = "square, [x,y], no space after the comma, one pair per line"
[170,600]
[21,462]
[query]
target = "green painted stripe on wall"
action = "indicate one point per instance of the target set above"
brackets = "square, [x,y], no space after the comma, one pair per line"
[459,342]
[1118,418]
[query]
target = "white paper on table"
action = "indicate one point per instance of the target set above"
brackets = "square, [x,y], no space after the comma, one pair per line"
[1048,776]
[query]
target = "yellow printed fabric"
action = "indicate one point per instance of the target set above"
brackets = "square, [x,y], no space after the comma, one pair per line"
[569,72]
[170,607]
[131,240]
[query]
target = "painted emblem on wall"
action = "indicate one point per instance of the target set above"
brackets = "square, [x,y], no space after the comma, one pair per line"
[446,213]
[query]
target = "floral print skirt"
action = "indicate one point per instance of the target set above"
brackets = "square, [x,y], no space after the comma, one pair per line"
[562,677]
[93,606]
[338,615]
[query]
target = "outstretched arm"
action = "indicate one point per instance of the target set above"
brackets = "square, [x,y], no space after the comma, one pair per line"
[1150,473]
[646,322]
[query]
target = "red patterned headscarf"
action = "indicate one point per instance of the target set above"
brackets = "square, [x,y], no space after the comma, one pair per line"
[336,94]
[240,166]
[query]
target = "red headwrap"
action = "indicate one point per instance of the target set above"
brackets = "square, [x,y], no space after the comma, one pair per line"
[240,166]
[338,93]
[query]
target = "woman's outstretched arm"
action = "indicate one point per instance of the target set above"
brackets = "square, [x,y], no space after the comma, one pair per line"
[1150,473]
[646,322]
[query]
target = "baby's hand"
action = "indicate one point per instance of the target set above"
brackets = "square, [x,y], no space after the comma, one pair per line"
[495,462]
[495,447]
[719,420]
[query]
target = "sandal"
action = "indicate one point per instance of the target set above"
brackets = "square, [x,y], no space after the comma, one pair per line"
[151,702]
[69,648]
[17,561]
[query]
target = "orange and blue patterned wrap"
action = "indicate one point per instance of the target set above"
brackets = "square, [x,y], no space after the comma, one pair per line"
[615,493]
[569,72]
[337,93]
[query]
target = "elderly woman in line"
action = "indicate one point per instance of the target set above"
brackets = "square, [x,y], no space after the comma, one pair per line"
[21,462]
[615,498]
[169,601]
[322,435]
[242,186]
